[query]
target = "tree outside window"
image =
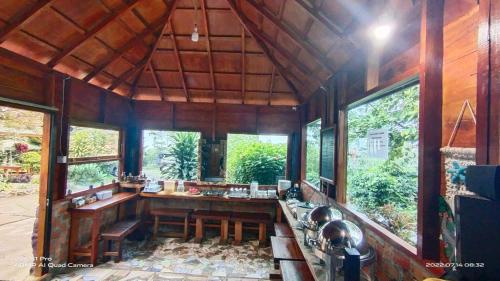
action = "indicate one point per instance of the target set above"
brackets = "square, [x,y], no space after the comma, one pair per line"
[313,139]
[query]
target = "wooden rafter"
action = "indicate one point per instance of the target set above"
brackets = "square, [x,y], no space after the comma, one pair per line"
[246,23]
[68,20]
[91,33]
[18,20]
[271,85]
[130,44]
[208,89]
[178,61]
[297,38]
[155,80]
[133,87]
[209,49]
[243,53]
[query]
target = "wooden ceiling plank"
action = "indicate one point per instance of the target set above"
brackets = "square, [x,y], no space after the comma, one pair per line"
[318,15]
[91,33]
[132,43]
[246,24]
[41,40]
[209,49]
[178,61]
[271,86]
[155,80]
[297,38]
[68,20]
[23,17]
[147,59]
[194,51]
[243,53]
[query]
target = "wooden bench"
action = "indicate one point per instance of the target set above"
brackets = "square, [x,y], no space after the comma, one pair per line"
[261,219]
[202,216]
[283,230]
[285,249]
[184,214]
[116,233]
[295,271]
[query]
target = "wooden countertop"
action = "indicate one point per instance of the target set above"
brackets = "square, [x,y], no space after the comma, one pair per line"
[100,205]
[187,196]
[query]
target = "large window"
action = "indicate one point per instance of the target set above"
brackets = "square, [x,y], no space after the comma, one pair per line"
[260,158]
[313,138]
[170,155]
[382,160]
[94,158]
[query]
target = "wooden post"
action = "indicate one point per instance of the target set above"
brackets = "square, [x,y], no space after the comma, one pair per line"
[430,116]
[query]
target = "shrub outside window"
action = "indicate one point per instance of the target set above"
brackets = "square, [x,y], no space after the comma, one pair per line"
[170,155]
[313,139]
[260,158]
[94,158]
[382,161]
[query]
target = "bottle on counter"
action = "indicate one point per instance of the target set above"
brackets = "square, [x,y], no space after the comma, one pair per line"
[180,186]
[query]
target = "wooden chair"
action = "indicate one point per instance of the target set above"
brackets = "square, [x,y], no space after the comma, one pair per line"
[202,216]
[285,249]
[184,214]
[283,230]
[261,219]
[115,235]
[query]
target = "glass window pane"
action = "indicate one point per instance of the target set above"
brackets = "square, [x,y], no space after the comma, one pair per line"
[260,158]
[170,155]
[82,176]
[92,142]
[313,131]
[382,160]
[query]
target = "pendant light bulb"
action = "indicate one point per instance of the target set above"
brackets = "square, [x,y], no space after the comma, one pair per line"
[195,36]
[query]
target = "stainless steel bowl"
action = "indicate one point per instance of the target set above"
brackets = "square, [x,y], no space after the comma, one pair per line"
[318,216]
[336,235]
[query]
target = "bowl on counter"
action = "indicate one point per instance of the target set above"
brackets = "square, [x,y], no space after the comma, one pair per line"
[315,219]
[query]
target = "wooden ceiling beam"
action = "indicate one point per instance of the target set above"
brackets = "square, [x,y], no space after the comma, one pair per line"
[18,20]
[271,86]
[209,90]
[130,44]
[186,51]
[188,36]
[243,53]
[68,20]
[215,72]
[209,49]
[178,61]
[295,36]
[246,24]
[155,80]
[91,33]
[133,87]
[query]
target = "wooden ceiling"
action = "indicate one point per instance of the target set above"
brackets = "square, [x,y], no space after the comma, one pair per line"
[266,52]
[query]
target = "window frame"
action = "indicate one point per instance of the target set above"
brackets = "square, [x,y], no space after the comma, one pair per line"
[95,159]
[304,153]
[376,94]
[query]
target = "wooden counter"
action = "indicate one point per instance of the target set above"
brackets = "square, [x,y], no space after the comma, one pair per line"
[186,195]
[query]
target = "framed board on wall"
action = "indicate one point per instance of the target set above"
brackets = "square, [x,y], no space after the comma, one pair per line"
[327,167]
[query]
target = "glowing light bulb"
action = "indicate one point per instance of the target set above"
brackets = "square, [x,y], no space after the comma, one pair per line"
[195,36]
[382,32]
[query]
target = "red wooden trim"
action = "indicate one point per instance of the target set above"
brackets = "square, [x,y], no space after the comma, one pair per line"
[430,119]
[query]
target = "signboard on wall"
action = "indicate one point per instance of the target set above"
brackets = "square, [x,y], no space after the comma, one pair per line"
[378,143]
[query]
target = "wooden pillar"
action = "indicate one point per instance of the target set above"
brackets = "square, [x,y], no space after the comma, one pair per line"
[430,116]
[488,84]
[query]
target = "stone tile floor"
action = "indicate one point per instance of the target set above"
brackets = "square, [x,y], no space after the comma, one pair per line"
[172,259]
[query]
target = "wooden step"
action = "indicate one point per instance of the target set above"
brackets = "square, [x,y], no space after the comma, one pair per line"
[251,217]
[295,271]
[283,230]
[171,212]
[120,230]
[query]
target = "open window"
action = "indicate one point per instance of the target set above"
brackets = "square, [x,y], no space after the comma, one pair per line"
[313,147]
[260,158]
[94,158]
[171,155]
[382,160]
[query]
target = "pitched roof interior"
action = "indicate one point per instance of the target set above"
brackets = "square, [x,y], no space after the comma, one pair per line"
[265,52]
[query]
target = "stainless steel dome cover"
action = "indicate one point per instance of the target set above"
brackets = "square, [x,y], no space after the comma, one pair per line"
[318,216]
[337,235]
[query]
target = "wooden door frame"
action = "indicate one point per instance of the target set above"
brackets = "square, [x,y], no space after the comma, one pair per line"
[47,168]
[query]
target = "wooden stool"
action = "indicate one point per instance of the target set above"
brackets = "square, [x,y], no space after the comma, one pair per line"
[116,233]
[261,219]
[283,230]
[295,271]
[175,213]
[285,249]
[202,215]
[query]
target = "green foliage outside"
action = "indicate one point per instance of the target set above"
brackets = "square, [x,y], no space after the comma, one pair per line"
[250,159]
[386,189]
[170,155]
[313,146]
[31,161]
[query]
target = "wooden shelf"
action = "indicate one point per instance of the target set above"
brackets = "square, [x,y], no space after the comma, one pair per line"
[187,196]
[107,203]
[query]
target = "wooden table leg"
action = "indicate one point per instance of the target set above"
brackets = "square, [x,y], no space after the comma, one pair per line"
[186,228]
[279,213]
[155,227]
[73,238]
[94,248]
[199,230]
[262,234]
[224,231]
[238,232]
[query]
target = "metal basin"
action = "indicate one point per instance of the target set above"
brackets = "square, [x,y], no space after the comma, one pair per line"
[336,235]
